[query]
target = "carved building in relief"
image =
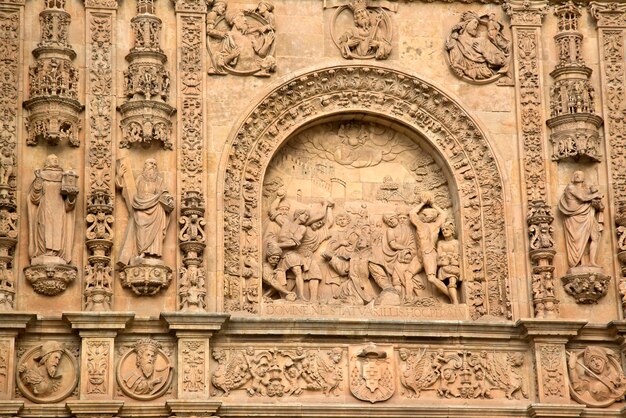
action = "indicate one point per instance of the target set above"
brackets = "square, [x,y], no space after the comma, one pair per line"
[312,208]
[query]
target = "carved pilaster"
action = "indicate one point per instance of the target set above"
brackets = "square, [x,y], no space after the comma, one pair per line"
[526,20]
[611,22]
[190,24]
[10,324]
[100,151]
[53,105]
[146,113]
[10,35]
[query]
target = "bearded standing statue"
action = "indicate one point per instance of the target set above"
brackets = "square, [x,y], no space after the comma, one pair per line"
[149,206]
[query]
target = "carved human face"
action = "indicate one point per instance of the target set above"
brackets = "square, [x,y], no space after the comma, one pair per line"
[472,27]
[391,221]
[362,18]
[52,161]
[273,260]
[596,364]
[402,218]
[145,361]
[342,220]
[52,363]
[302,217]
[317,225]
[219,8]
[428,215]
[240,22]
[447,231]
[578,177]
[404,354]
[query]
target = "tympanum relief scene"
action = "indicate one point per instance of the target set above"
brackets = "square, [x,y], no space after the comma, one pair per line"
[338,208]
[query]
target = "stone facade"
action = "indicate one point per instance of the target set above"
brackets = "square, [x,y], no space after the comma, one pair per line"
[306,208]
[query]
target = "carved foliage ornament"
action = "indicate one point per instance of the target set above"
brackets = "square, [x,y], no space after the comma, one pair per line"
[477,50]
[390,94]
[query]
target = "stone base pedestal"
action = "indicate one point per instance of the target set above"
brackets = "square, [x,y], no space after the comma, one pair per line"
[50,279]
[586,284]
[146,279]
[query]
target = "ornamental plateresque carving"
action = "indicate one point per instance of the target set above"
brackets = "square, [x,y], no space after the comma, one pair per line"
[146,113]
[47,373]
[144,370]
[445,129]
[53,105]
[241,41]
[596,376]
[9,56]
[477,49]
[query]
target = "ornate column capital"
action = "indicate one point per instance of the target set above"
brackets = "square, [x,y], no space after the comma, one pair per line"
[190,6]
[608,14]
[526,12]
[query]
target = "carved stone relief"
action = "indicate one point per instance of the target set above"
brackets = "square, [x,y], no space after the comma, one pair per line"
[552,375]
[149,206]
[145,371]
[477,49]
[97,366]
[53,105]
[344,238]
[384,92]
[241,41]
[98,286]
[9,56]
[372,372]
[51,219]
[583,208]
[146,113]
[366,34]
[194,366]
[596,377]
[47,373]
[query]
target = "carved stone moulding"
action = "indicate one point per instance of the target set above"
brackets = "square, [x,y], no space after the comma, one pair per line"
[50,279]
[145,121]
[146,279]
[586,284]
[575,136]
[47,373]
[53,119]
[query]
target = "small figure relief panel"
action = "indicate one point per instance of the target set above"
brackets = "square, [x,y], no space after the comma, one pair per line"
[357,215]
[241,41]
[361,31]
[370,373]
[596,377]
[477,49]
[47,373]
[145,370]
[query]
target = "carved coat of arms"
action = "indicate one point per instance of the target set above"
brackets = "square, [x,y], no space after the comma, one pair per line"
[372,375]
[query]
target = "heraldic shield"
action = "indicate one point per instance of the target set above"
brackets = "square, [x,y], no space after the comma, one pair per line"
[372,375]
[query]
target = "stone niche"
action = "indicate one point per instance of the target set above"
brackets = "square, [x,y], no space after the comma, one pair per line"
[340,207]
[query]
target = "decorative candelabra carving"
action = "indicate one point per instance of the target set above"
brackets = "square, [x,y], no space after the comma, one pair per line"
[572,120]
[146,114]
[98,271]
[53,104]
[191,289]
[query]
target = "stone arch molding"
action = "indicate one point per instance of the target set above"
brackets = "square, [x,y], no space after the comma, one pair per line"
[387,94]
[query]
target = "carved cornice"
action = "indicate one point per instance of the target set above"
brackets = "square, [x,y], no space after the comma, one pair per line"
[525,12]
[191,6]
[609,14]
[101,4]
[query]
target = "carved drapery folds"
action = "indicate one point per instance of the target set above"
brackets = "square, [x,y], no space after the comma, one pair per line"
[573,122]
[146,113]
[526,26]
[98,287]
[383,92]
[191,235]
[9,57]
[241,41]
[53,105]
[477,49]
[611,22]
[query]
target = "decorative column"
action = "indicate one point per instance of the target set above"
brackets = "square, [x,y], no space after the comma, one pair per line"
[11,24]
[146,114]
[193,331]
[53,105]
[10,325]
[97,332]
[547,341]
[100,152]
[526,18]
[611,23]
[190,24]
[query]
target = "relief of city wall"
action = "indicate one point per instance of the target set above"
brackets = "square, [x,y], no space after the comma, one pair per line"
[312,208]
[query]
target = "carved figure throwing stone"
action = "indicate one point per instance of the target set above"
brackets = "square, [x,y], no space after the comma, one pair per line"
[367,39]
[150,205]
[51,202]
[582,207]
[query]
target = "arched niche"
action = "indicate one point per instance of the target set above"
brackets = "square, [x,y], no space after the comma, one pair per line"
[365,94]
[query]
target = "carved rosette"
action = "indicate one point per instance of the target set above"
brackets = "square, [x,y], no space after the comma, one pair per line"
[146,279]
[573,122]
[53,106]
[9,56]
[146,115]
